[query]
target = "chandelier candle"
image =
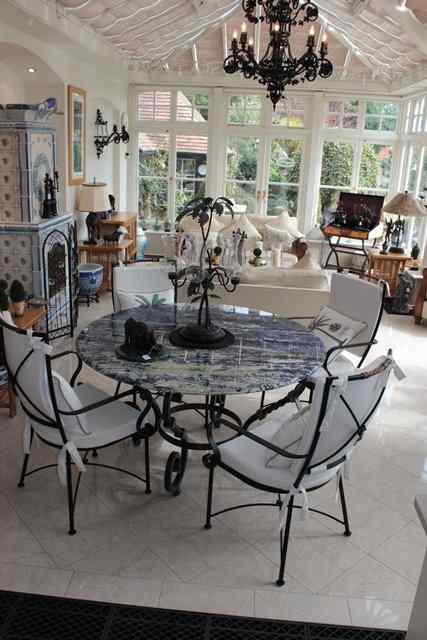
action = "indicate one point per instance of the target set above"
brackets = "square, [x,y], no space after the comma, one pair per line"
[278,67]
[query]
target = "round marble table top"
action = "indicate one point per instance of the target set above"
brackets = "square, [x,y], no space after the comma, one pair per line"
[269,352]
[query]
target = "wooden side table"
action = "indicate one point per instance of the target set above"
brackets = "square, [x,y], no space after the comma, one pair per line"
[31,319]
[130,222]
[107,254]
[420,299]
[387,267]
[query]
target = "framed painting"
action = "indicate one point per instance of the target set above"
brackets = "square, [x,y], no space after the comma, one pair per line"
[76,135]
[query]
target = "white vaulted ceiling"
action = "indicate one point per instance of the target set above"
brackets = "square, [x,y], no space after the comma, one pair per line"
[366,36]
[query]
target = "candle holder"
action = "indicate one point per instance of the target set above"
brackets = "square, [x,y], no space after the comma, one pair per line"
[201,280]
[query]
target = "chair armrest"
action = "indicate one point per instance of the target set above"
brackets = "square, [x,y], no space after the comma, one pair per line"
[345,347]
[97,405]
[79,363]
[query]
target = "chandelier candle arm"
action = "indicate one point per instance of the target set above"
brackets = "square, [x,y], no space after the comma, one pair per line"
[278,68]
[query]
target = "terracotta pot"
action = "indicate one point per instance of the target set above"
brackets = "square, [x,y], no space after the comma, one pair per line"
[18,308]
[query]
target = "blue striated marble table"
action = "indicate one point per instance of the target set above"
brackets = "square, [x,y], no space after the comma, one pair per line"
[269,353]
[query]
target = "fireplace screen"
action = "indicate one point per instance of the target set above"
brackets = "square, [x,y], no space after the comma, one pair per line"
[59,277]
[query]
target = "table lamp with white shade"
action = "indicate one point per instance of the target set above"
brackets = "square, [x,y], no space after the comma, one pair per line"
[404,205]
[93,197]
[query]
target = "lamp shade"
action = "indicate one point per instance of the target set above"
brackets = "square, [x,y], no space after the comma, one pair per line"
[93,197]
[406,205]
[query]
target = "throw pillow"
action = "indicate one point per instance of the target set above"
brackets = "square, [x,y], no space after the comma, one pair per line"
[244,224]
[274,235]
[335,329]
[285,222]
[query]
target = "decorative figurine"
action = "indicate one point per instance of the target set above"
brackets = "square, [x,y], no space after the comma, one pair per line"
[92,223]
[397,237]
[140,341]
[415,254]
[51,186]
[257,260]
[389,224]
[112,201]
[116,236]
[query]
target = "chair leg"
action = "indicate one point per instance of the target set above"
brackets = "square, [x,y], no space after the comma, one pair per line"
[21,482]
[147,466]
[284,541]
[208,524]
[71,503]
[347,531]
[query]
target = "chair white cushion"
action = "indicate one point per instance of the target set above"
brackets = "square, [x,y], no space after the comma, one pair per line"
[247,457]
[68,400]
[126,300]
[288,437]
[335,329]
[107,424]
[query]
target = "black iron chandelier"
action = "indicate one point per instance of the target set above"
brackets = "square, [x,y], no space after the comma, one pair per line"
[103,138]
[278,68]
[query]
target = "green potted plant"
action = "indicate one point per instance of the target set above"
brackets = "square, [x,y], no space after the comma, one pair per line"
[4,298]
[18,297]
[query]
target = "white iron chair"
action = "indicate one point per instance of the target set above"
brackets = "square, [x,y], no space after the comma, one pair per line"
[74,419]
[300,454]
[141,283]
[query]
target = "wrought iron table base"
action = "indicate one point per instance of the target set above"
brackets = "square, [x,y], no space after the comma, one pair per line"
[215,415]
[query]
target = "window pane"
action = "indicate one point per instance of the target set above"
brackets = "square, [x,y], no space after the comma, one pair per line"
[192,107]
[153,181]
[351,106]
[282,197]
[289,113]
[242,158]
[413,168]
[372,123]
[244,110]
[375,166]
[328,200]
[349,122]
[243,194]
[285,160]
[337,164]
[191,168]
[154,105]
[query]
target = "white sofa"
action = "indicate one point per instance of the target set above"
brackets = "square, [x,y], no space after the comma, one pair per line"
[287,292]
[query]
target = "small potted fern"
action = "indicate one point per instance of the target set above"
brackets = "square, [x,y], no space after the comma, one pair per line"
[18,297]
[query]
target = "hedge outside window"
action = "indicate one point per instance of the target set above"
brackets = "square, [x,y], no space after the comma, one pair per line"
[241,171]
[381,116]
[375,168]
[284,176]
[336,176]
[153,178]
[245,110]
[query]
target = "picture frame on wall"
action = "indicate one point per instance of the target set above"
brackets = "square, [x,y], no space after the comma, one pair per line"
[76,135]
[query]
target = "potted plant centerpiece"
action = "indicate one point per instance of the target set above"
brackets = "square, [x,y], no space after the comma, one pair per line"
[201,279]
[18,297]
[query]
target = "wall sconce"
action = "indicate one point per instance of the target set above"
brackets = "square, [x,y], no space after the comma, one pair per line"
[103,138]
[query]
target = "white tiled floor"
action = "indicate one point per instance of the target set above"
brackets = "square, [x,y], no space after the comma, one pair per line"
[153,550]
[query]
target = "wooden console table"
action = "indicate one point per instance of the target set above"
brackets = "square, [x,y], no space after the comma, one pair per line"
[335,237]
[387,267]
[31,319]
[107,254]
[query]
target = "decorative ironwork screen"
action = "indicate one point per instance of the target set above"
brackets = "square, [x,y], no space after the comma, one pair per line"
[60,282]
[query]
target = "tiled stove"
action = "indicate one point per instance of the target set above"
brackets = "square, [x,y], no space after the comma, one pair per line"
[27,153]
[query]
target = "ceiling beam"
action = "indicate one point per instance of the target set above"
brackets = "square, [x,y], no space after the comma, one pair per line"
[406,20]
[195,57]
[347,62]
